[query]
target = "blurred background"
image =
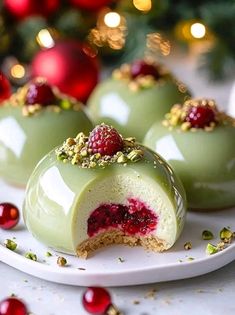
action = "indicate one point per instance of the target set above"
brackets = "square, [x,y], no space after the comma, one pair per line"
[88,38]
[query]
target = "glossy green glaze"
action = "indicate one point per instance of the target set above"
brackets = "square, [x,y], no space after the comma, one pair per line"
[25,140]
[132,113]
[51,211]
[205,162]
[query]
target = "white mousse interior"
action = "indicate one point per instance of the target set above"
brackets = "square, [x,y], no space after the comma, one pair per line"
[118,188]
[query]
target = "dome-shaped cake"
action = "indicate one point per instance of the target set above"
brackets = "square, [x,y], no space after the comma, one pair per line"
[198,142]
[33,121]
[136,96]
[109,190]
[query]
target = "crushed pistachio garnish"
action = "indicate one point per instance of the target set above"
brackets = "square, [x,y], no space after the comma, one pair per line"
[188,246]
[31,256]
[62,101]
[178,113]
[207,235]
[141,82]
[226,235]
[76,151]
[48,254]
[211,249]
[10,244]
[61,261]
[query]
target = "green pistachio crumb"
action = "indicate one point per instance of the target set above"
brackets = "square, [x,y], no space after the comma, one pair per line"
[188,246]
[226,235]
[65,104]
[211,249]
[10,244]
[48,254]
[120,259]
[31,256]
[135,155]
[191,258]
[207,235]
[61,261]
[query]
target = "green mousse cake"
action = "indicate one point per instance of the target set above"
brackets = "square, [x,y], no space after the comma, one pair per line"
[109,190]
[198,142]
[135,97]
[33,121]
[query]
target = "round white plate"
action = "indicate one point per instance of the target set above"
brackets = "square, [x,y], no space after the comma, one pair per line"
[120,265]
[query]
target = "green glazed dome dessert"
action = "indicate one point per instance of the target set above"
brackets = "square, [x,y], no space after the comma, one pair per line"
[110,190]
[33,121]
[136,96]
[198,142]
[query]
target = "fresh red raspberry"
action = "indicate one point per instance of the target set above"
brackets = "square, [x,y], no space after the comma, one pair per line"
[141,68]
[40,92]
[105,140]
[200,116]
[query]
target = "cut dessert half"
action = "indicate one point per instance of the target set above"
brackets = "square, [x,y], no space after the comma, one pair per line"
[131,197]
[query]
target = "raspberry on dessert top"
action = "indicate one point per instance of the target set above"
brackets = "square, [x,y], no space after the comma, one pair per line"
[103,147]
[196,114]
[142,74]
[37,95]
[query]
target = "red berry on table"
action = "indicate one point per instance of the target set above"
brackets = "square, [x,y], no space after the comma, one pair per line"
[200,116]
[96,300]
[12,306]
[141,68]
[9,215]
[105,140]
[40,92]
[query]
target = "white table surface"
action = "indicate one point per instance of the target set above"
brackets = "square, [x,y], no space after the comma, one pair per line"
[211,294]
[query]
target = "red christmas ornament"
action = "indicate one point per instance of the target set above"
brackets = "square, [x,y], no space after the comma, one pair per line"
[25,8]
[70,66]
[5,88]
[96,300]
[9,216]
[141,68]
[12,306]
[91,5]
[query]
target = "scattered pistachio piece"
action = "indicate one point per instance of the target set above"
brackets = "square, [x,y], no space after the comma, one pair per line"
[207,235]
[226,235]
[31,256]
[120,259]
[187,245]
[61,261]
[10,244]
[211,249]
[48,254]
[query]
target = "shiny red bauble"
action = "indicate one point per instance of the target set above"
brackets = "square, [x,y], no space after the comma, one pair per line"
[12,306]
[25,8]
[5,88]
[96,300]
[90,5]
[9,215]
[141,68]
[200,116]
[70,66]
[39,93]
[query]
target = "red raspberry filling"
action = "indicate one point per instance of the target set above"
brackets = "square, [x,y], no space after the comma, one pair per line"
[200,116]
[134,218]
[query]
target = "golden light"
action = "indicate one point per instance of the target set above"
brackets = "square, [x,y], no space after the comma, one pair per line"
[198,30]
[18,71]
[156,43]
[112,19]
[45,39]
[143,5]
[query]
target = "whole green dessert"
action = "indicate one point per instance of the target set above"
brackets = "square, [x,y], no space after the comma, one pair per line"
[109,190]
[135,97]
[198,141]
[33,121]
